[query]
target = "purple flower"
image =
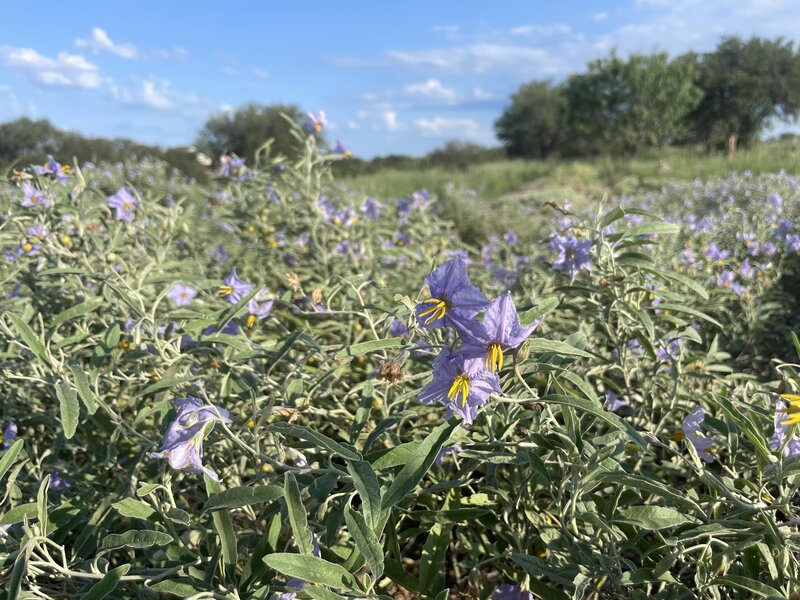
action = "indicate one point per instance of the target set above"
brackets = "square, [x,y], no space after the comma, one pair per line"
[714,254]
[452,298]
[234,288]
[124,204]
[671,351]
[9,435]
[403,238]
[55,168]
[510,238]
[613,402]
[747,270]
[444,452]
[460,383]
[340,149]
[182,445]
[38,231]
[371,209]
[404,205]
[691,430]
[727,280]
[230,166]
[782,438]
[316,122]
[32,196]
[573,255]
[57,482]
[181,295]
[398,329]
[259,307]
[499,330]
[510,592]
[220,255]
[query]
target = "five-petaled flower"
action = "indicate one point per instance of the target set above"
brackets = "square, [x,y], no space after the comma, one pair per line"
[9,434]
[316,122]
[230,166]
[573,255]
[182,445]
[55,168]
[31,196]
[181,294]
[259,307]
[452,297]
[234,288]
[460,383]
[124,204]
[499,331]
[783,438]
[341,149]
[691,431]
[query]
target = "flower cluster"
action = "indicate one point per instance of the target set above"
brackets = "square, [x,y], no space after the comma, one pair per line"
[464,379]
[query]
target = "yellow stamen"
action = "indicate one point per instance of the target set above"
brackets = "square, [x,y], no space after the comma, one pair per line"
[126,205]
[66,169]
[438,310]
[251,320]
[494,360]
[793,410]
[460,385]
[317,127]
[225,290]
[678,436]
[27,246]
[347,154]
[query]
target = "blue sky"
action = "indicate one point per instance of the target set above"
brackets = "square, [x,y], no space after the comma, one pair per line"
[392,77]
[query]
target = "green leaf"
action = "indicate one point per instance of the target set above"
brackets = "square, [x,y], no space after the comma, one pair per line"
[543,346]
[84,390]
[345,451]
[297,513]
[540,310]
[418,464]
[134,509]
[598,411]
[652,228]
[224,527]
[19,513]
[9,456]
[366,541]
[312,569]
[76,311]
[371,346]
[433,554]
[70,408]
[678,278]
[658,488]
[237,497]
[18,573]
[182,588]
[41,504]
[29,337]
[615,214]
[748,585]
[399,455]
[654,517]
[135,539]
[369,490]
[107,584]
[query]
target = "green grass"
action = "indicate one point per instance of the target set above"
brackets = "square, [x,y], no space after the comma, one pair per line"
[596,175]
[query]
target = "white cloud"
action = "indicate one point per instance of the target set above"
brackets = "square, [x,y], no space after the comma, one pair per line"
[432,89]
[260,73]
[225,108]
[390,120]
[599,17]
[155,94]
[353,125]
[542,30]
[483,58]
[101,42]
[481,94]
[65,70]
[441,127]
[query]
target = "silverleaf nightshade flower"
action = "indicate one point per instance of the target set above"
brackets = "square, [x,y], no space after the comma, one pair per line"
[259,307]
[182,445]
[124,204]
[233,288]
[783,438]
[9,434]
[691,426]
[452,297]
[181,294]
[462,384]
[499,331]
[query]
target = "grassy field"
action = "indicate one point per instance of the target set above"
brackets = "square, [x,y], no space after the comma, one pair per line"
[596,175]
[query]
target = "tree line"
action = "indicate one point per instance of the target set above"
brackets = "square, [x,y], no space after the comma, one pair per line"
[625,105]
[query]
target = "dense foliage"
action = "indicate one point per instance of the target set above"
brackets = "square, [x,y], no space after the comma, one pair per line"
[648,101]
[272,386]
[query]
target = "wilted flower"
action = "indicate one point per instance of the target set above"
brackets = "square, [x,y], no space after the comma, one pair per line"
[460,383]
[785,416]
[691,431]
[181,295]
[234,288]
[259,307]
[32,196]
[124,204]
[510,592]
[499,330]
[9,435]
[182,445]
[439,460]
[220,255]
[452,298]
[573,255]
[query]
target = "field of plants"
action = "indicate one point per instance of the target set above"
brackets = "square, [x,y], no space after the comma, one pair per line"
[276,386]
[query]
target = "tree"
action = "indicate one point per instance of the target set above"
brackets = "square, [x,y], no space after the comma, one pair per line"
[533,126]
[244,131]
[623,106]
[745,85]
